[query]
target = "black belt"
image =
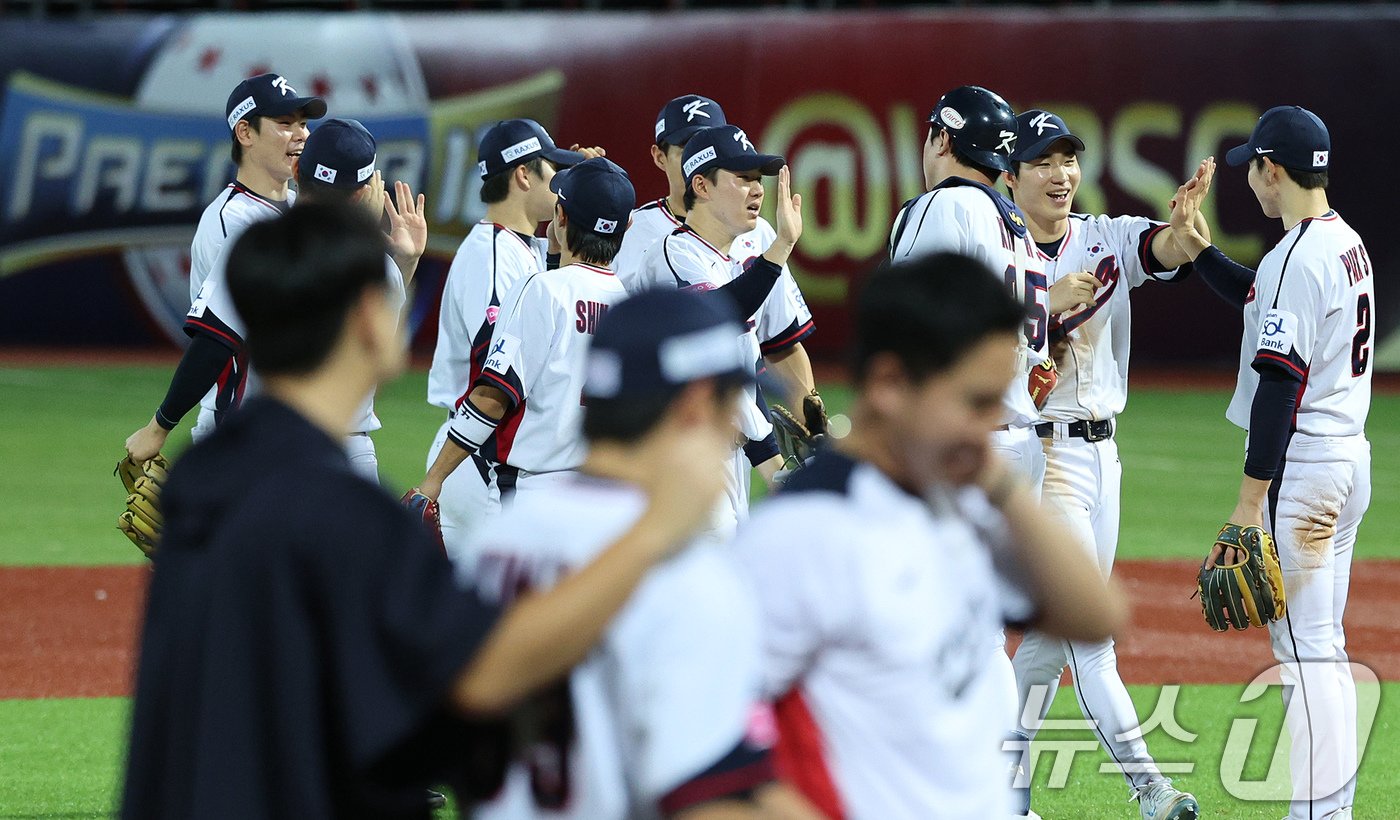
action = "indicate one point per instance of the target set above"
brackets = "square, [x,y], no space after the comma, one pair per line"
[1087,430]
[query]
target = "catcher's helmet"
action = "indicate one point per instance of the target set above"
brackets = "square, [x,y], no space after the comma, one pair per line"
[980,123]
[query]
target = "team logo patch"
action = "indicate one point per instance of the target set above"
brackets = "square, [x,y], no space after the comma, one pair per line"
[239,111]
[952,118]
[605,226]
[520,149]
[1278,331]
[1319,159]
[502,353]
[743,139]
[481,167]
[281,85]
[696,161]
[365,172]
[326,175]
[1008,142]
[491,313]
[692,109]
[660,126]
[1041,122]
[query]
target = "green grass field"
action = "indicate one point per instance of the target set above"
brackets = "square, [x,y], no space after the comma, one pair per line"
[61,431]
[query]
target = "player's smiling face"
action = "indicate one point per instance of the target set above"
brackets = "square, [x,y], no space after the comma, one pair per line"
[276,144]
[1045,187]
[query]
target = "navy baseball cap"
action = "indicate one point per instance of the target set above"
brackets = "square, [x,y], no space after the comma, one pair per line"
[512,142]
[727,147]
[683,116]
[269,95]
[1036,131]
[1290,135]
[339,153]
[597,195]
[661,340]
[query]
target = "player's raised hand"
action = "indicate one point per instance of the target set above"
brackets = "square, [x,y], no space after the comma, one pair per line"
[589,153]
[1078,288]
[407,235]
[1186,208]
[789,210]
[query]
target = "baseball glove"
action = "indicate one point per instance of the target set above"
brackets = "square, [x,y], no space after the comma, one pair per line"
[1041,381]
[1245,587]
[426,509]
[142,521]
[800,440]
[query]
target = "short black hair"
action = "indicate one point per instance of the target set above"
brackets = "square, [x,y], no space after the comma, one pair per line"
[293,280]
[1308,180]
[254,122]
[628,418]
[496,187]
[930,312]
[590,247]
[712,176]
[986,170]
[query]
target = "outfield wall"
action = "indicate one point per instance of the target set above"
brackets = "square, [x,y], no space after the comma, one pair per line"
[112,136]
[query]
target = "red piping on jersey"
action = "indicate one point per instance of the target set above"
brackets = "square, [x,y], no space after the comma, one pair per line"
[505,432]
[235,341]
[261,200]
[776,345]
[1297,403]
[1327,217]
[800,755]
[593,268]
[501,383]
[666,209]
[1145,248]
[1064,243]
[691,231]
[1284,361]
[715,787]
[518,237]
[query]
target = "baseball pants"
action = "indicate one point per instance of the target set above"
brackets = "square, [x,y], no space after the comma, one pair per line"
[468,496]
[1315,506]
[1083,481]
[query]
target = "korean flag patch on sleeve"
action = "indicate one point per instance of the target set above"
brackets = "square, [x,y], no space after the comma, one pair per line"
[502,354]
[1278,332]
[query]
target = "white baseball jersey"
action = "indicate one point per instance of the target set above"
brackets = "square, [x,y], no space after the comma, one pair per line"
[232,211]
[666,711]
[1094,367]
[685,260]
[654,221]
[537,358]
[214,314]
[490,260]
[879,610]
[1312,311]
[972,219]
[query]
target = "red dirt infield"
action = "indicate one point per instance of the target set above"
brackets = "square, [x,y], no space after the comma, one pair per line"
[72,631]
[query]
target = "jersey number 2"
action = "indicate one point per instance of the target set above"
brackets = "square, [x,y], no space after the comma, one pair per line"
[1361,342]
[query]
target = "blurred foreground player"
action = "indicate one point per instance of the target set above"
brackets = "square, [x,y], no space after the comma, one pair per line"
[665,718]
[886,566]
[305,651]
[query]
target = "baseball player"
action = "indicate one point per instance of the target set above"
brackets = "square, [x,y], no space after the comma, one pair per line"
[518,159]
[1104,257]
[667,716]
[523,410]
[888,564]
[1303,392]
[337,164]
[267,129]
[786,322]
[972,132]
[724,174]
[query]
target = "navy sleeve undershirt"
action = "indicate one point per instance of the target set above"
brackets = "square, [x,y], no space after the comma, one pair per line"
[199,369]
[1270,421]
[749,289]
[1228,278]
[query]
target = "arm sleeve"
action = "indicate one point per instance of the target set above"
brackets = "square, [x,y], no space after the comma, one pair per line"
[749,289]
[1270,421]
[199,369]
[784,320]
[1228,278]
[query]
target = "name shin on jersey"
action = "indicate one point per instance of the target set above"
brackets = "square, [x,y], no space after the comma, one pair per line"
[588,313]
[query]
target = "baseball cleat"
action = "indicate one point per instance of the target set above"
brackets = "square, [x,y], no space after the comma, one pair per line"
[1159,801]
